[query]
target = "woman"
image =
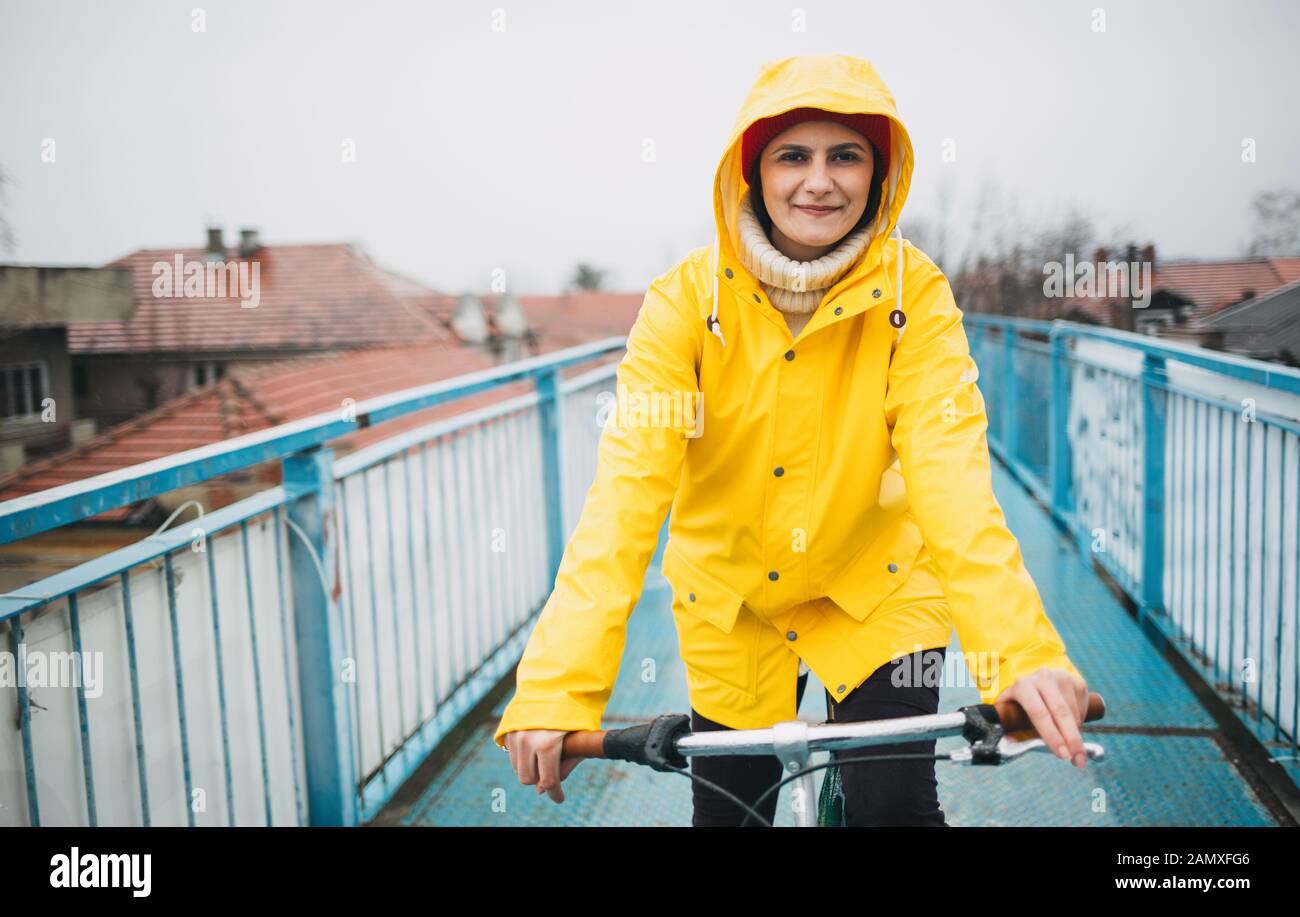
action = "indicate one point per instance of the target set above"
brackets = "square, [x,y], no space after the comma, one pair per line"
[832,507]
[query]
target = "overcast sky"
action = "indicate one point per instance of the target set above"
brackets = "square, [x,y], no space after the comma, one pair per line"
[521,149]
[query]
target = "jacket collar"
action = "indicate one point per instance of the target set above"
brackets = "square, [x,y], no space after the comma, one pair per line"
[868,275]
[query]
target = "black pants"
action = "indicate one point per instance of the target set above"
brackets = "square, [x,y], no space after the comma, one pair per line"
[875,793]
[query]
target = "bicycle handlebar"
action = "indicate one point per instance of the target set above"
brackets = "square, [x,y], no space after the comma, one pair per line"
[1011,716]
[1014,719]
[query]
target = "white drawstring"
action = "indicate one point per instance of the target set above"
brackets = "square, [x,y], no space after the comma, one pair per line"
[898,292]
[714,325]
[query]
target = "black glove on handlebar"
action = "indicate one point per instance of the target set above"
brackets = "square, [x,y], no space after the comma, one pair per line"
[650,743]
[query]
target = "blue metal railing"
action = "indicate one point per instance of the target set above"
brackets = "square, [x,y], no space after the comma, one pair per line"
[1178,469]
[383,594]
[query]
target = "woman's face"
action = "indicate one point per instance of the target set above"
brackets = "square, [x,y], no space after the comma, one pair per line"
[816,178]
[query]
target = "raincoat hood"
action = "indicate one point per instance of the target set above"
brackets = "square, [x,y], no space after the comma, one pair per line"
[832,82]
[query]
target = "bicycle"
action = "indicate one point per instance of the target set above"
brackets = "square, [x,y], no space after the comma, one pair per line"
[665,743]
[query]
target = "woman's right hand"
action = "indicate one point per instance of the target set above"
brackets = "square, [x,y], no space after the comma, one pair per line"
[535,755]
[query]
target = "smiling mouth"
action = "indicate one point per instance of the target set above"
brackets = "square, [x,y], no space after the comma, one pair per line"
[817,211]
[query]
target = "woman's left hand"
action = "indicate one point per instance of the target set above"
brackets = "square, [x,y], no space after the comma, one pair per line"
[1056,702]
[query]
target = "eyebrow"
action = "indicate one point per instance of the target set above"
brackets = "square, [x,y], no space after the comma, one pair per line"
[848,145]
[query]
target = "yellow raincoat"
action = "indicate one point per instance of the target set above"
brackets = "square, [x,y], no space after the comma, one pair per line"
[832,501]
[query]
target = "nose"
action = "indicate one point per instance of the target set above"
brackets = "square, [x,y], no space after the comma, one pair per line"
[818,180]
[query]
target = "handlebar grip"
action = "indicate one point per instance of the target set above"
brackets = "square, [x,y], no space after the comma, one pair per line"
[1014,719]
[584,745]
[653,743]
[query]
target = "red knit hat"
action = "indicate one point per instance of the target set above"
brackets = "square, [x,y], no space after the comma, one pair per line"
[757,136]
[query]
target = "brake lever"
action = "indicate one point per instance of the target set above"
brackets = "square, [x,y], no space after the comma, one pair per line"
[1006,749]
[989,743]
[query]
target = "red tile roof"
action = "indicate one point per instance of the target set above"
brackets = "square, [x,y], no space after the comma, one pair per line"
[560,321]
[579,317]
[1287,268]
[1213,285]
[311,297]
[252,398]
[584,315]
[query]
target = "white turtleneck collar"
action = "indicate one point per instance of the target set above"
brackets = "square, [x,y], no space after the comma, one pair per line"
[794,287]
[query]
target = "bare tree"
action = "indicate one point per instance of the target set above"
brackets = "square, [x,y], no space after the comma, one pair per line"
[1277,224]
[931,233]
[1004,266]
[587,277]
[6,228]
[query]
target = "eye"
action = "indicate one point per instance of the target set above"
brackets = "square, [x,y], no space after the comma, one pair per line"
[795,156]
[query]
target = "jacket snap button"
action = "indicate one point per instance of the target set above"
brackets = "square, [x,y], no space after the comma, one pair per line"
[692,596]
[839,309]
[773,575]
[840,689]
[893,568]
[792,636]
[779,471]
[730,274]
[875,293]
[789,354]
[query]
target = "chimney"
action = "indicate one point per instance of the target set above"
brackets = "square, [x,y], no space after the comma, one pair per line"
[216,245]
[1149,256]
[248,243]
[469,321]
[510,318]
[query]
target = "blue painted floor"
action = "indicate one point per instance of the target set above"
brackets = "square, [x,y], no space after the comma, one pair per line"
[1165,767]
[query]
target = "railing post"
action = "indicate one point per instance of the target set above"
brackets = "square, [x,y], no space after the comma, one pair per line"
[1154,377]
[1009,395]
[549,409]
[331,776]
[1059,446]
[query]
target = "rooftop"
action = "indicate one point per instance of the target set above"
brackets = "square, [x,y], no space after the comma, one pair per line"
[309,297]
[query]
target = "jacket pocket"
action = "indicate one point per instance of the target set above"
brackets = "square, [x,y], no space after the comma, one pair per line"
[877,570]
[715,646]
[701,594]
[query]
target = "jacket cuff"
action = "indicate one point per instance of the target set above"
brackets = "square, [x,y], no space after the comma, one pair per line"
[562,715]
